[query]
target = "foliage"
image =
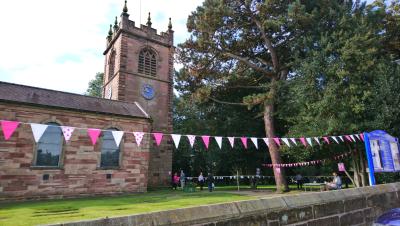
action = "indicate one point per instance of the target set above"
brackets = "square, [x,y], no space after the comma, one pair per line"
[95,88]
[212,118]
[329,70]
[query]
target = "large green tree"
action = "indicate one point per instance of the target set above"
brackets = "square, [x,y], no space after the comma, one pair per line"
[346,81]
[248,44]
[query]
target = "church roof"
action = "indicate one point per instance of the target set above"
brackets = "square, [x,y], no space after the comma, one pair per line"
[29,95]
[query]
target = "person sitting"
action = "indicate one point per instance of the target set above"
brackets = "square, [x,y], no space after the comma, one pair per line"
[335,184]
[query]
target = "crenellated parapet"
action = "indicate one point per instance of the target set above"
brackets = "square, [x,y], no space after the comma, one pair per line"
[124,25]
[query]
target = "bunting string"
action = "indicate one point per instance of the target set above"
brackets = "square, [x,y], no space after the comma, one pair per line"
[8,128]
[309,163]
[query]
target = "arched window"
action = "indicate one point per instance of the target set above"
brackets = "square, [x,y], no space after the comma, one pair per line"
[109,150]
[147,62]
[49,147]
[111,65]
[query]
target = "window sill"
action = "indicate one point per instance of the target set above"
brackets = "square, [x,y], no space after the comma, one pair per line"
[46,168]
[109,168]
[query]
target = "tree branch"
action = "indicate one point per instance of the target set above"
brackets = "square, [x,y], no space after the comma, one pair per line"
[226,102]
[246,87]
[246,61]
[267,41]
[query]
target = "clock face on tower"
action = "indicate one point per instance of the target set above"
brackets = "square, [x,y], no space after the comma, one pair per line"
[148,92]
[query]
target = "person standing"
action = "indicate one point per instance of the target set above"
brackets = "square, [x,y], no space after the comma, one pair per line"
[210,182]
[299,181]
[175,181]
[183,179]
[201,180]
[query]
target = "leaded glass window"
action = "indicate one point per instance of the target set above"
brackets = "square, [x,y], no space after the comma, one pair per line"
[109,150]
[49,147]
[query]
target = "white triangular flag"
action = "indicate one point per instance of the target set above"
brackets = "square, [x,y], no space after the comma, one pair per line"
[309,141]
[286,141]
[219,141]
[358,137]
[176,138]
[335,139]
[316,139]
[294,140]
[38,130]
[67,131]
[231,141]
[341,138]
[266,140]
[254,140]
[353,138]
[192,139]
[117,136]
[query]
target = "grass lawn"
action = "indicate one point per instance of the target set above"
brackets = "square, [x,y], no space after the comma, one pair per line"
[55,211]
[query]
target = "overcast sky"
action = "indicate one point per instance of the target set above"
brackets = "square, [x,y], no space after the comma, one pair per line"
[59,44]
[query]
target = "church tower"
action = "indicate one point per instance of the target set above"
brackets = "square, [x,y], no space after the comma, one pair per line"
[139,68]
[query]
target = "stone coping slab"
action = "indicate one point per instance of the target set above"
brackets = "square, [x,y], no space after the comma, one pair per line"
[224,212]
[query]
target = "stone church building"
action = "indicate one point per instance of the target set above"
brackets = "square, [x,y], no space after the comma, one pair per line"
[137,96]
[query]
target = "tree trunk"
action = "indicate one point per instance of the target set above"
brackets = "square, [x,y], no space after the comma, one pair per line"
[363,171]
[356,169]
[279,173]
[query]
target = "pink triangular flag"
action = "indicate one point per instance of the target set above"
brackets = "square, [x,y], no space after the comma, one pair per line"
[277,141]
[303,141]
[138,137]
[158,137]
[362,136]
[326,139]
[348,138]
[231,141]
[192,139]
[244,141]
[294,141]
[219,141]
[8,128]
[67,131]
[94,134]
[254,140]
[206,140]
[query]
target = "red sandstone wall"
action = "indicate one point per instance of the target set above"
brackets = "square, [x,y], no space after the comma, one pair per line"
[80,173]
[127,85]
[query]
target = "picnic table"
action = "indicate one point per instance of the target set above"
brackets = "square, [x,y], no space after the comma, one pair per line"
[313,185]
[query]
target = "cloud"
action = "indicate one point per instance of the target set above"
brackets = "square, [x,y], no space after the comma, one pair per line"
[59,44]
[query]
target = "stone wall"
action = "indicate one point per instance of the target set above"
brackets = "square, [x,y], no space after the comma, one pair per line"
[80,173]
[358,206]
[127,84]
